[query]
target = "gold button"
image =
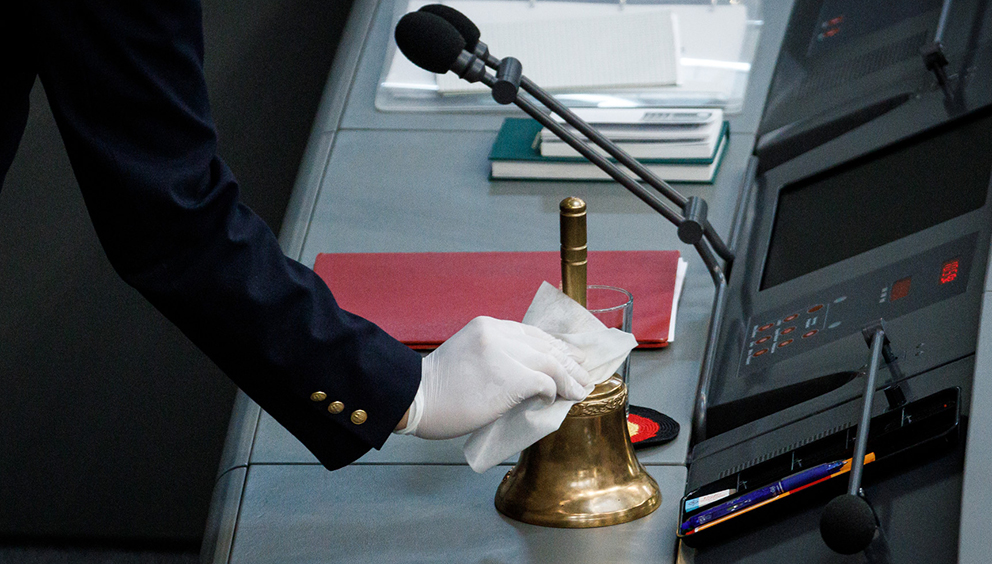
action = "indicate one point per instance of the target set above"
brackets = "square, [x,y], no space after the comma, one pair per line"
[336,407]
[318,396]
[358,416]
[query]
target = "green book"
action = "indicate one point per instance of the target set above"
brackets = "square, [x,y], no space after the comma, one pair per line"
[516,156]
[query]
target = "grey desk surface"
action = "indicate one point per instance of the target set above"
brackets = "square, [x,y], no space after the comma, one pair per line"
[417,513]
[374,181]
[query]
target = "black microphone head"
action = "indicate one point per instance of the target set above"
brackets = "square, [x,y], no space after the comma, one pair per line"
[469,32]
[848,524]
[428,41]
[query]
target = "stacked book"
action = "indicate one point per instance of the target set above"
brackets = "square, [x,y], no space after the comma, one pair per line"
[678,145]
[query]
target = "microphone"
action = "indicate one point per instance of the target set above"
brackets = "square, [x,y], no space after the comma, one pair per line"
[428,41]
[848,523]
[852,525]
[691,226]
[435,20]
[468,30]
[433,44]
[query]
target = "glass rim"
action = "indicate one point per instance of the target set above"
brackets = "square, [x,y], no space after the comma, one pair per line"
[628,303]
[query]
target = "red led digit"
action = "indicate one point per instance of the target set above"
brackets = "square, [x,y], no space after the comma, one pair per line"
[949,271]
[900,289]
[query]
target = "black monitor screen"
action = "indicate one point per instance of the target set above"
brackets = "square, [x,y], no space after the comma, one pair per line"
[880,198]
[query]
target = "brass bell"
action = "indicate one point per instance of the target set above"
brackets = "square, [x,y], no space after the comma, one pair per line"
[585,474]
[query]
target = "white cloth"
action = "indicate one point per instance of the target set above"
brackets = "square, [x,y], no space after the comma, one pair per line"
[535,418]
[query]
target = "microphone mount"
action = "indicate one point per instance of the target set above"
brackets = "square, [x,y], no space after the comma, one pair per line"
[933,54]
[849,524]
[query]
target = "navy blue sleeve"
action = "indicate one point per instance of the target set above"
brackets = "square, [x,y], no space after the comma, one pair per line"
[125,83]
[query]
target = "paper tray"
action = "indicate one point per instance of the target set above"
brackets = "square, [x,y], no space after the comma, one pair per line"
[931,421]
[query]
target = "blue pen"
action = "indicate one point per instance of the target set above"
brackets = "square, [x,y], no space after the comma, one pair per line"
[786,484]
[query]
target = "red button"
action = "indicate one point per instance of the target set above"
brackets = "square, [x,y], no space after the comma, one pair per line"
[785,342]
[791,317]
[766,326]
[815,308]
[809,334]
[763,339]
[761,352]
[788,330]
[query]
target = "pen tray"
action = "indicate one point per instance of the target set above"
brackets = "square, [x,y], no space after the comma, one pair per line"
[932,420]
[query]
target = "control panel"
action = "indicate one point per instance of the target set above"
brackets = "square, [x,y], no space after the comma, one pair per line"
[887,293]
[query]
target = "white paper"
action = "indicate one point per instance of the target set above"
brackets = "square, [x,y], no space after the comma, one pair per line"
[679,284]
[630,50]
[646,117]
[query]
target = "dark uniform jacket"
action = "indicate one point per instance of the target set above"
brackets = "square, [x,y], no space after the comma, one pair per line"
[125,83]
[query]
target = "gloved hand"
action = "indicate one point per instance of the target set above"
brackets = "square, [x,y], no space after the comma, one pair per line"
[484,370]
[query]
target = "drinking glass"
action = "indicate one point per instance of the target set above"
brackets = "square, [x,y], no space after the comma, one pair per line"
[615,308]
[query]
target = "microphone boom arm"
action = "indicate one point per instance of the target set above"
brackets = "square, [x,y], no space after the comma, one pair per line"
[505,87]
[876,338]
[693,226]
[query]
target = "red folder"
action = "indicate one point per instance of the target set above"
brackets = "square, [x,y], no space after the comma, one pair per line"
[422,299]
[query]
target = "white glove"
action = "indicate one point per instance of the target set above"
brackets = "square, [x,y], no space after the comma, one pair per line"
[484,370]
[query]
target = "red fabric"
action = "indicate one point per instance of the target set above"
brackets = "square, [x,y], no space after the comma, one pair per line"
[422,299]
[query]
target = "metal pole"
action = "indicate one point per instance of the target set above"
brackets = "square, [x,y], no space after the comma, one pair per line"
[861,445]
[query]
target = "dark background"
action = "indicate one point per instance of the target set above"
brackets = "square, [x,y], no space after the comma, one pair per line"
[112,423]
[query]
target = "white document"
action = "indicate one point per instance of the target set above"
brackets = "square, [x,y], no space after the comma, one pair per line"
[679,284]
[654,133]
[629,50]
